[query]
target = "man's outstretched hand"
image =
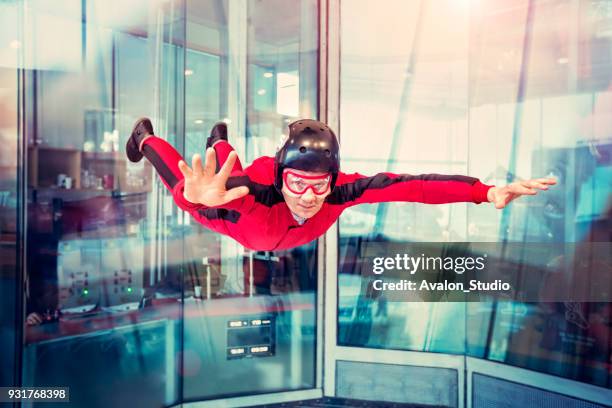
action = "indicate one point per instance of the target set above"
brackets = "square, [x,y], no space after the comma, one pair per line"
[203,186]
[501,196]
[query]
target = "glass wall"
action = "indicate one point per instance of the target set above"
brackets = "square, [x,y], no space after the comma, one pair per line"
[9,192]
[103,278]
[542,86]
[124,291]
[498,91]
[403,109]
[250,318]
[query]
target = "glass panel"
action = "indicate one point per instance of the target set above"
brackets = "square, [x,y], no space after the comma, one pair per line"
[393,93]
[100,238]
[541,84]
[249,316]
[282,72]
[9,192]
[497,92]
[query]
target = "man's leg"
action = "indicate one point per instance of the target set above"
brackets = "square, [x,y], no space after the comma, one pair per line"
[165,158]
[222,150]
[218,140]
[160,153]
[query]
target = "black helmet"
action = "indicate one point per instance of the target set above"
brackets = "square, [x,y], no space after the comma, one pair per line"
[310,146]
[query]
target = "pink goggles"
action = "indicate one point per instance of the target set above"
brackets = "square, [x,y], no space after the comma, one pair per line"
[299,183]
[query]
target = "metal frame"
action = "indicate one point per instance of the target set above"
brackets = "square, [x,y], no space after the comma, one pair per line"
[330,112]
[232,253]
[24,77]
[545,382]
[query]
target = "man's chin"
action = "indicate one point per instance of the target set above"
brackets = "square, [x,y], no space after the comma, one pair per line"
[306,213]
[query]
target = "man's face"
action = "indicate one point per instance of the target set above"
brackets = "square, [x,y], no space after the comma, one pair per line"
[305,191]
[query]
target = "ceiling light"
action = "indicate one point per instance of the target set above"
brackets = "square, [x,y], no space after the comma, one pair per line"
[261,92]
[268,75]
[188,72]
[198,121]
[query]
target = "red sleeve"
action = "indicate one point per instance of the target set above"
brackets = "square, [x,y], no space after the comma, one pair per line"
[353,189]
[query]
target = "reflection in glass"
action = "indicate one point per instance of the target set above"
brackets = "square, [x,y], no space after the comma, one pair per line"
[393,99]
[98,226]
[498,93]
[10,200]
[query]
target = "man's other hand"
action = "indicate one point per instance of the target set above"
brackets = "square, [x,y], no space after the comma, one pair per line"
[501,196]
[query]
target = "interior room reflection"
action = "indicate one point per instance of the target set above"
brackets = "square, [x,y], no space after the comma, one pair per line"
[116,275]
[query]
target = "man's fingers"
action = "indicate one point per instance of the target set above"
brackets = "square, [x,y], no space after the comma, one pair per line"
[211,162]
[184,168]
[536,184]
[523,188]
[236,192]
[528,191]
[547,180]
[514,190]
[196,165]
[226,169]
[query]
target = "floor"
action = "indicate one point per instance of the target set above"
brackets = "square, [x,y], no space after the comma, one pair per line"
[343,403]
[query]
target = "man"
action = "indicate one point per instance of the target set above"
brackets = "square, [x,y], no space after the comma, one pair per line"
[291,199]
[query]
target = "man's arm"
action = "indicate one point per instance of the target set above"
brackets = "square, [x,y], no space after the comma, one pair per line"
[353,189]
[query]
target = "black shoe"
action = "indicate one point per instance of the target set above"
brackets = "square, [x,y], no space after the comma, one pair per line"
[142,128]
[218,132]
